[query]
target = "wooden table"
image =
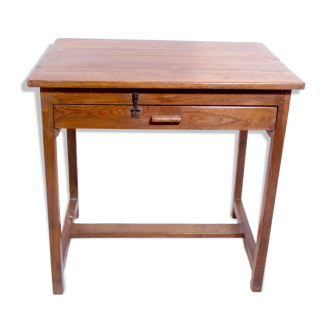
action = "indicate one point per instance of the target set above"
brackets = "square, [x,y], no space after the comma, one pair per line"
[160,85]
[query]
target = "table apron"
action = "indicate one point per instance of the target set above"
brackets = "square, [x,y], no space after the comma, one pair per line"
[167,97]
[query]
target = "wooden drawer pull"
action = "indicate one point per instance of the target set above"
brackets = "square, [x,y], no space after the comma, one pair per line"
[166,118]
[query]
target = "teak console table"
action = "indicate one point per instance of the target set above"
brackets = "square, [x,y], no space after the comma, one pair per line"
[158,85]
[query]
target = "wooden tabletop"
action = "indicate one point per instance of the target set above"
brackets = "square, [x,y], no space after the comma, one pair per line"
[140,64]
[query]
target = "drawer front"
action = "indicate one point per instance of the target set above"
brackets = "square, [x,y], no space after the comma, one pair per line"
[165,117]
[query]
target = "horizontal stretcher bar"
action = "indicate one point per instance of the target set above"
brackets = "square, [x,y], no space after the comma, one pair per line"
[141,230]
[156,230]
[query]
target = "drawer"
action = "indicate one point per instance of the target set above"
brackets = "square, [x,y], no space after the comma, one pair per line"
[165,117]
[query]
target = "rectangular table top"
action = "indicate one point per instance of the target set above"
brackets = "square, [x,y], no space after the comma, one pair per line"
[143,64]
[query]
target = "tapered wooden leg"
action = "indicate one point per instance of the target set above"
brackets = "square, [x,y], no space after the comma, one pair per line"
[241,157]
[72,164]
[271,182]
[51,172]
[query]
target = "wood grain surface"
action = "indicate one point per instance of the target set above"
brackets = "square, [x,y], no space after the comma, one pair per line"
[139,64]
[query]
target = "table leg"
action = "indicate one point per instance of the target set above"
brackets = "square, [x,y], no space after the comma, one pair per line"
[271,182]
[72,164]
[241,157]
[51,173]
